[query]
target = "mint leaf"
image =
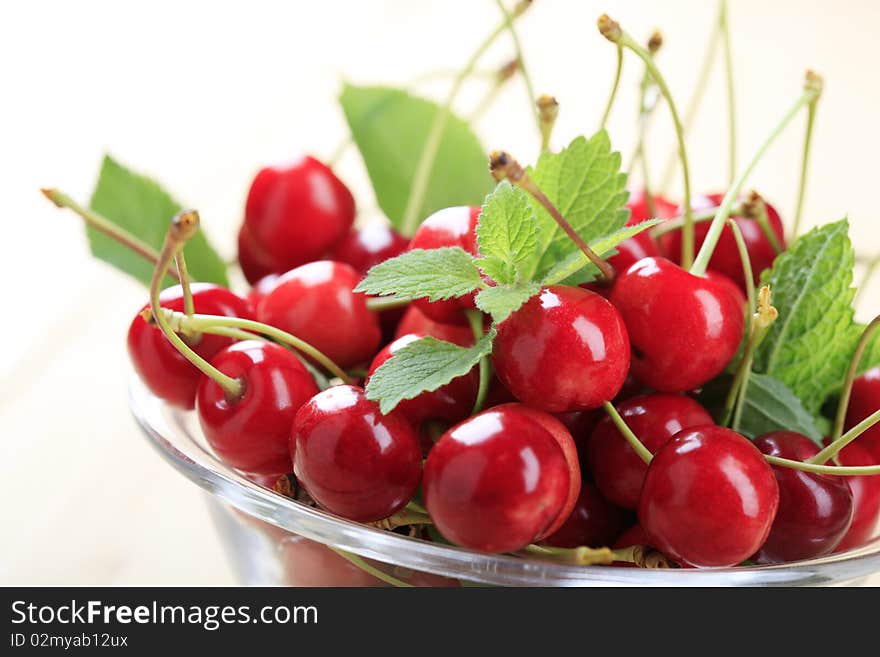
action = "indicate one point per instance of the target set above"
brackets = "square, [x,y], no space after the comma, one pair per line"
[507,235]
[422,366]
[502,300]
[770,406]
[390,128]
[586,185]
[808,348]
[433,273]
[144,209]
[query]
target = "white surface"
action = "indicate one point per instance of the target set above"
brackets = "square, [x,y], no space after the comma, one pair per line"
[201,94]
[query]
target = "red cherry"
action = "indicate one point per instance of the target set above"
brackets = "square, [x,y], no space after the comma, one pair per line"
[594,522]
[865,498]
[565,349]
[354,461]
[709,498]
[617,469]
[864,400]
[297,212]
[815,510]
[415,321]
[684,329]
[642,245]
[251,433]
[495,482]
[366,247]
[725,258]
[452,402]
[456,226]
[261,288]
[316,303]
[162,368]
[635,535]
[255,263]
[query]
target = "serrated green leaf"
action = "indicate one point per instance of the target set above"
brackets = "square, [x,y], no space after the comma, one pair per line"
[808,348]
[422,366]
[390,128]
[586,185]
[507,235]
[140,206]
[770,406]
[432,273]
[502,300]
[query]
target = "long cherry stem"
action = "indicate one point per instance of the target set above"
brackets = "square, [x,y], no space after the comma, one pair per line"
[812,89]
[672,225]
[367,568]
[475,319]
[802,185]
[817,468]
[870,270]
[188,305]
[504,74]
[755,208]
[852,371]
[835,446]
[633,440]
[509,17]
[724,27]
[614,87]
[548,111]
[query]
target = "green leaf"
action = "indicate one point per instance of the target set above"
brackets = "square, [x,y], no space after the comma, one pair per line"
[144,209]
[507,235]
[502,300]
[808,348]
[770,406]
[433,273]
[422,366]
[390,128]
[586,185]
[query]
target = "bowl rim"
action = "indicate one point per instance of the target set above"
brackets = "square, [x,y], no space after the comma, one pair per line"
[175,435]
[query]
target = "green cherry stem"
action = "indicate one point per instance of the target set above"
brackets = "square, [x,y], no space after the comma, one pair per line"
[812,88]
[432,143]
[802,185]
[851,373]
[702,216]
[614,87]
[640,555]
[647,105]
[504,74]
[188,305]
[367,568]
[378,304]
[724,28]
[633,440]
[475,319]
[746,262]
[839,470]
[755,208]
[548,111]
[870,270]
[612,31]
[509,17]
[834,447]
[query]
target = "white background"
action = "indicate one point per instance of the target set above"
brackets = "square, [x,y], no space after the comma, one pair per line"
[202,94]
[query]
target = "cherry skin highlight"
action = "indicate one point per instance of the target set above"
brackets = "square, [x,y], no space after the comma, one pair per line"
[565,349]
[316,303]
[655,418]
[864,400]
[684,329]
[251,433]
[709,498]
[354,461]
[495,482]
[261,288]
[594,522]
[366,247]
[160,366]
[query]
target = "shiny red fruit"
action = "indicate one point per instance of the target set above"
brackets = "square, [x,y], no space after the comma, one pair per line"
[617,469]
[255,263]
[864,400]
[594,522]
[316,303]
[709,498]
[684,329]
[865,496]
[366,247]
[415,321]
[815,510]
[261,288]
[565,349]
[642,245]
[162,368]
[495,482]
[296,213]
[251,433]
[354,461]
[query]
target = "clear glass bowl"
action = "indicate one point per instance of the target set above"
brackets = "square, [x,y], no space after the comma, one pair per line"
[272,540]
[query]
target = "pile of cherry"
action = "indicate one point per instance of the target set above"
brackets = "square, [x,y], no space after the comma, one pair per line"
[541,468]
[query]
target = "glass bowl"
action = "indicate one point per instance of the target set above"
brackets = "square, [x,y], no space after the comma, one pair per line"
[272,540]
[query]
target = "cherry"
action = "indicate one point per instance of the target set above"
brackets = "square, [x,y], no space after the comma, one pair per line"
[617,470]
[316,303]
[635,535]
[454,226]
[565,349]
[725,259]
[865,498]
[160,366]
[255,263]
[642,245]
[594,522]
[415,321]
[366,247]
[684,329]
[297,212]
[452,402]
[251,433]
[815,510]
[709,498]
[735,291]
[864,400]
[261,288]
[354,461]
[495,482]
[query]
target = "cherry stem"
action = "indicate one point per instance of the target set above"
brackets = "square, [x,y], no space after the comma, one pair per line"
[475,319]
[612,31]
[372,570]
[817,468]
[640,555]
[509,17]
[724,29]
[633,440]
[402,518]
[503,166]
[432,143]
[748,272]
[182,228]
[108,228]
[812,89]
[870,270]
[378,304]
[646,110]
[672,225]
[614,87]
[188,304]
[548,112]
[835,446]
[851,373]
[802,185]
[416,507]
[501,77]
[755,208]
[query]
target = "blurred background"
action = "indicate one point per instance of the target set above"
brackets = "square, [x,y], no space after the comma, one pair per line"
[201,95]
